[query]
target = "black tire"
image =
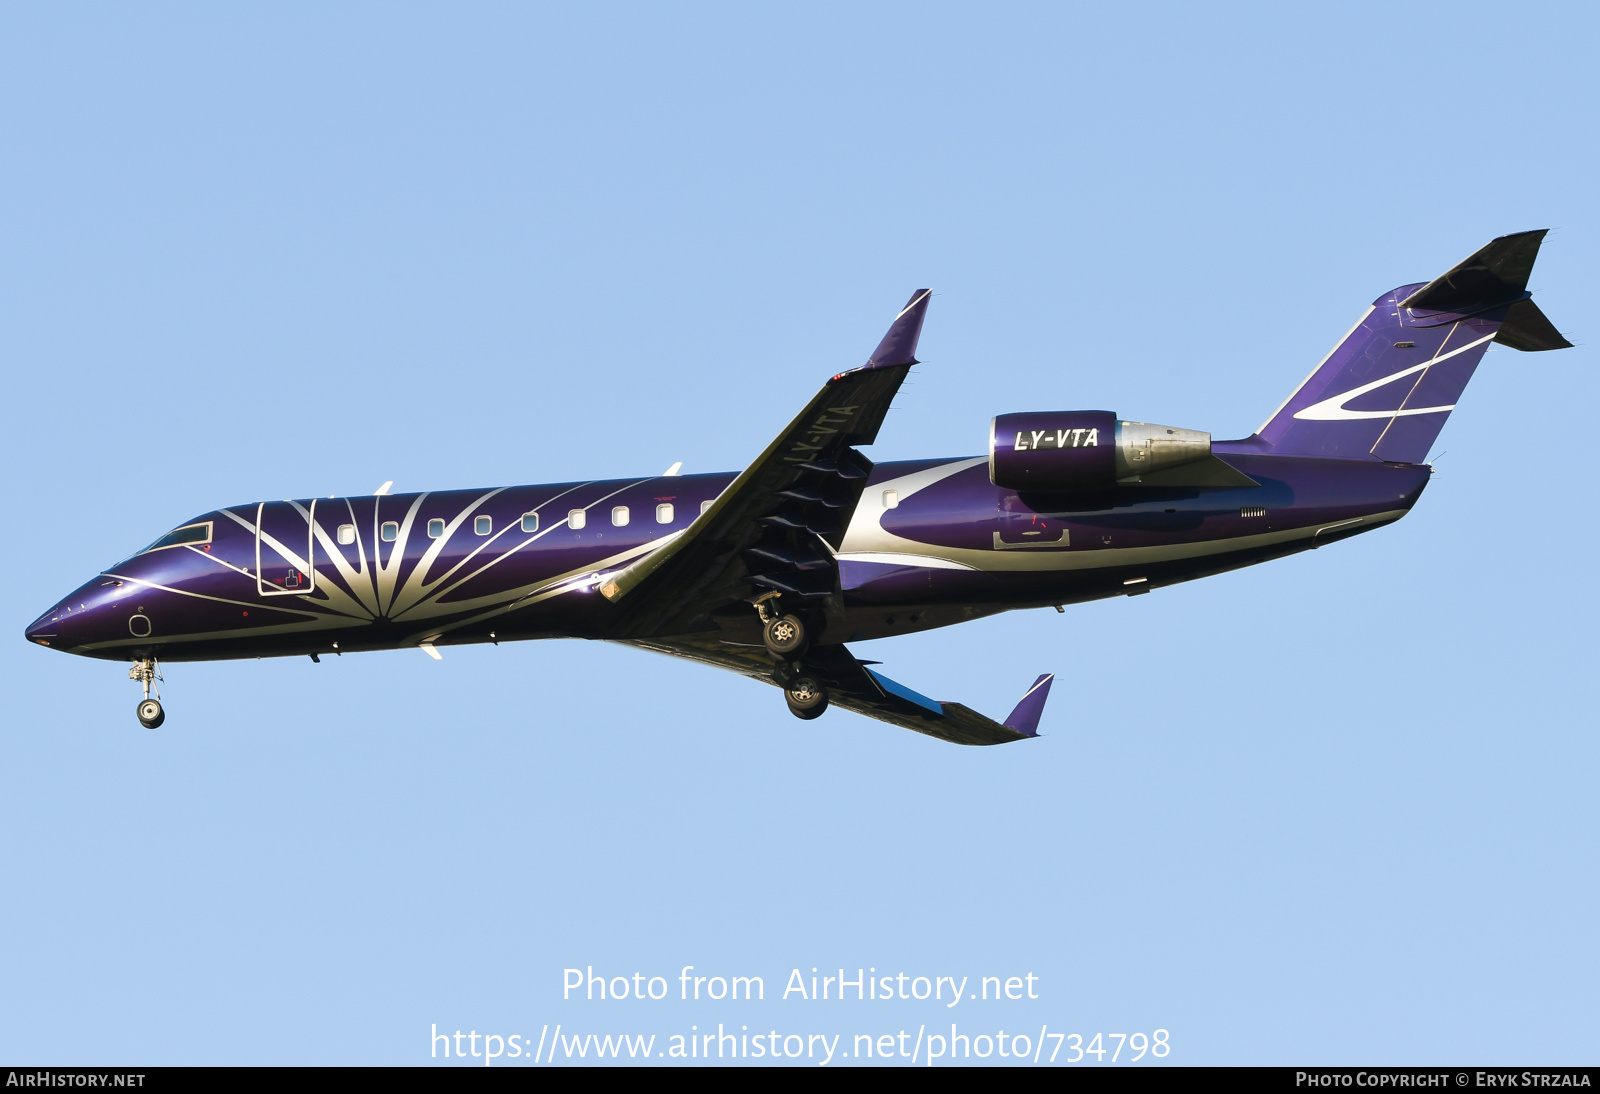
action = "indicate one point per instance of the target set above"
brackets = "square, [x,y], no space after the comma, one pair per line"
[786,638]
[150,713]
[806,698]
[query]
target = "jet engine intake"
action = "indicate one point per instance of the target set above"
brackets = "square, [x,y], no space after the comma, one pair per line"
[1085,450]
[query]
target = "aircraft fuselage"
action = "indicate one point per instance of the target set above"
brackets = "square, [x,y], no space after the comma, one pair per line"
[930,543]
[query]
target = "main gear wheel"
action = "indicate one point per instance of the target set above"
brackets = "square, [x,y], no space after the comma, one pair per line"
[806,698]
[786,638]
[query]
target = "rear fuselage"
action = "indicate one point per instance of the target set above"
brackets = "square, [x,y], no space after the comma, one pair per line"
[931,542]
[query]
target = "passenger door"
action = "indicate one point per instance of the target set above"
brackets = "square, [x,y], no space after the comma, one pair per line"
[283,548]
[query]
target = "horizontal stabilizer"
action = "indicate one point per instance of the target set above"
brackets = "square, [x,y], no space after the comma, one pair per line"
[1527,329]
[1496,273]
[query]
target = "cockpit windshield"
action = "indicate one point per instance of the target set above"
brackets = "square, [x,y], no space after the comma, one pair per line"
[180,537]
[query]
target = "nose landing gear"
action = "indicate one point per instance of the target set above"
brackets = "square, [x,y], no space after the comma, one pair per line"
[147,672]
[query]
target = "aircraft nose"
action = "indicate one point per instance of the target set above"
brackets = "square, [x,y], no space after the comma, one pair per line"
[43,630]
[79,619]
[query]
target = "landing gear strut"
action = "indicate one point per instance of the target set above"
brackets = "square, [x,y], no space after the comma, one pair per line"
[147,672]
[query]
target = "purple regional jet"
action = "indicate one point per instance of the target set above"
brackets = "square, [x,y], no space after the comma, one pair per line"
[769,572]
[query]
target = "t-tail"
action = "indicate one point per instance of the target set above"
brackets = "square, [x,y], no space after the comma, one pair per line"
[1385,390]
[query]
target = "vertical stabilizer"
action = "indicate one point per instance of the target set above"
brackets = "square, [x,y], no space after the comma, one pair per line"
[1385,390]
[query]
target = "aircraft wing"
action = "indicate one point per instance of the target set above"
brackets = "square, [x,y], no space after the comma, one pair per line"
[761,533]
[854,686]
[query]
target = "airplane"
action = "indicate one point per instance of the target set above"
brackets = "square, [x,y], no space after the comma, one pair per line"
[773,571]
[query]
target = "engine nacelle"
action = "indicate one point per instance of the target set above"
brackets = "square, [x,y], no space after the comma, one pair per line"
[1071,450]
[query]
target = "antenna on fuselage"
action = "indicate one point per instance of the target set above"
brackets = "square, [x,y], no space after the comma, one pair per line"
[673,470]
[382,490]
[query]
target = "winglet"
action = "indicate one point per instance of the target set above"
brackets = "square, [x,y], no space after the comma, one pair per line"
[899,346]
[1025,718]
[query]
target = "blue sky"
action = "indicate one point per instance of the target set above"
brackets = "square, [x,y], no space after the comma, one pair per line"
[1338,809]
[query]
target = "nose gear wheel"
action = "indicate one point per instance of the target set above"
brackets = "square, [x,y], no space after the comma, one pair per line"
[146,672]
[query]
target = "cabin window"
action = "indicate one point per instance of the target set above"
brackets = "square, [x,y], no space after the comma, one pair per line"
[390,531]
[619,516]
[530,522]
[664,513]
[482,525]
[577,518]
[891,499]
[435,528]
[705,505]
[346,535]
[181,537]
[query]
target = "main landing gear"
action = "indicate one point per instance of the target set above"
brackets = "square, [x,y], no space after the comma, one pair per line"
[806,698]
[147,672]
[787,639]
